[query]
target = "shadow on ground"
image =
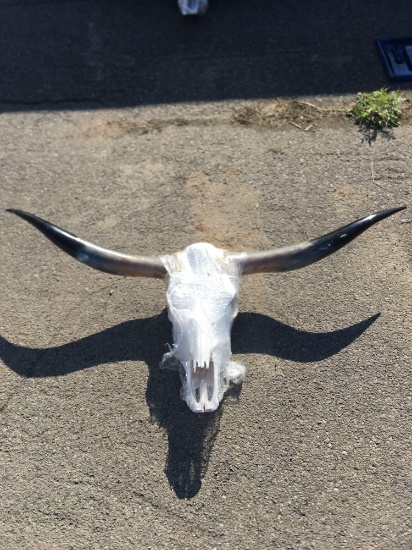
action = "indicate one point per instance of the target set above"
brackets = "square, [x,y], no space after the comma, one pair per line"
[190,437]
[101,53]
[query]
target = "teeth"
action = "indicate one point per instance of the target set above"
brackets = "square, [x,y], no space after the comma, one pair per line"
[201,363]
[201,396]
[198,364]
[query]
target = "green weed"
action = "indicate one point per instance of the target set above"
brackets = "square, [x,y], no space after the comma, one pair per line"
[378,109]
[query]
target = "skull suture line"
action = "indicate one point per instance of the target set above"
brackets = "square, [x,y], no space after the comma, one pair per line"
[202,287]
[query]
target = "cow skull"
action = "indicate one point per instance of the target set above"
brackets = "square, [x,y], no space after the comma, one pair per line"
[203,283]
[202,287]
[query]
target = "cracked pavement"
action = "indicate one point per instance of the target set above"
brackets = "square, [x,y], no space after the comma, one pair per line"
[97,448]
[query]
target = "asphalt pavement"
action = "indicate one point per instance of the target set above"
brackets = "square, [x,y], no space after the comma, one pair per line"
[119,124]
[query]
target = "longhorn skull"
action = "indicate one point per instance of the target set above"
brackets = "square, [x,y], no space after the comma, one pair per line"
[202,287]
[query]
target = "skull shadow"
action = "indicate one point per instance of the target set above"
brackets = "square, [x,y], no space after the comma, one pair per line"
[191,436]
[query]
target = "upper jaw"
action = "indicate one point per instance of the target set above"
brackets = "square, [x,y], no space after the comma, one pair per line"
[201,386]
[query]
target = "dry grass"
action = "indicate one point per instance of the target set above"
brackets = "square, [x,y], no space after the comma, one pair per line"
[276,113]
[302,113]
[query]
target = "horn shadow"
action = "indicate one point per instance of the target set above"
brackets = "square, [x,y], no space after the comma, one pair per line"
[256,333]
[191,436]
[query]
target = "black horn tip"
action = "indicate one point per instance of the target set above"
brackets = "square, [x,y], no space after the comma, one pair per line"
[390,211]
[44,226]
[20,213]
[378,216]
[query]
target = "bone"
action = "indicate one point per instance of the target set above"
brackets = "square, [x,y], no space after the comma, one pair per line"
[289,258]
[95,256]
[202,291]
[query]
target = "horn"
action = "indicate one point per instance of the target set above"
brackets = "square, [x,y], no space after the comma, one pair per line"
[301,255]
[94,256]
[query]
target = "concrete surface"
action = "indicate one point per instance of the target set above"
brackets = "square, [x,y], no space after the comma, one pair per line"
[97,449]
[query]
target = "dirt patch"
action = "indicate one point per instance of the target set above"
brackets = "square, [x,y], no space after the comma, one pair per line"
[218,215]
[305,114]
[278,113]
[406,117]
[345,194]
[100,126]
[116,128]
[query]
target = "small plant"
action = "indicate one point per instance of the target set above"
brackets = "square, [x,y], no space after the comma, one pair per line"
[378,109]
